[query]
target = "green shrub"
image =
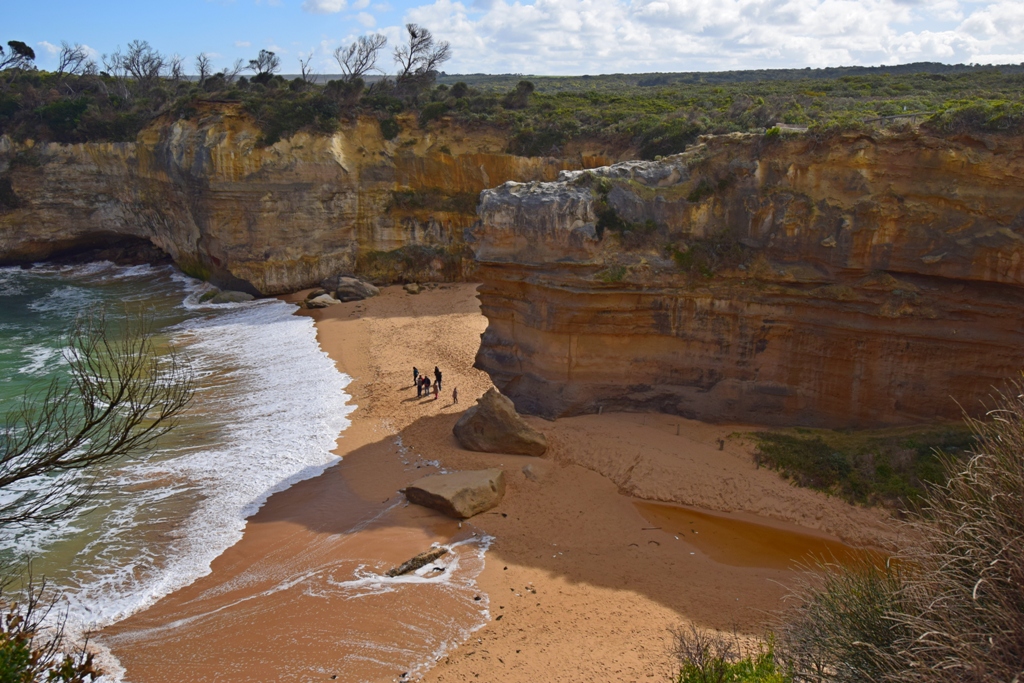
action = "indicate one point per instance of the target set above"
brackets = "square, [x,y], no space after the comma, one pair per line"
[433,199]
[708,657]
[892,467]
[842,629]
[432,111]
[950,607]
[707,255]
[702,191]
[612,275]
[62,117]
[990,116]
[8,199]
[28,651]
[389,128]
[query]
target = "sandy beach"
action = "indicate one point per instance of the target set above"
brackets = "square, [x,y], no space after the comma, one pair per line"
[578,581]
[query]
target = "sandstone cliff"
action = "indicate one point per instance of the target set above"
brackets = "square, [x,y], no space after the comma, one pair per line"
[859,281]
[266,219]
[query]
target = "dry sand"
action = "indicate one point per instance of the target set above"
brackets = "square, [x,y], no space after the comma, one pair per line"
[576,584]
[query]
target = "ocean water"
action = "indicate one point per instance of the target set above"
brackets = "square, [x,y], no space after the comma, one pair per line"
[268,410]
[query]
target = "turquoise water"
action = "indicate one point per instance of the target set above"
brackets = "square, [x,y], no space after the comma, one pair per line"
[268,409]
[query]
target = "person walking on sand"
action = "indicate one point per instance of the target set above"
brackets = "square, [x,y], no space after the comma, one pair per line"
[415,375]
[455,395]
[426,385]
[419,387]
[437,377]
[437,389]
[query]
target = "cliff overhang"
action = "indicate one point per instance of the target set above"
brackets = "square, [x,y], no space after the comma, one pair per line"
[861,280]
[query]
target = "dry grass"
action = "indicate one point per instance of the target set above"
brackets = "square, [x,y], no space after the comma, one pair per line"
[954,612]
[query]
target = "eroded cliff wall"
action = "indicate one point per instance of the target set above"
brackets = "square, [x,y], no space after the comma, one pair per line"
[859,281]
[269,219]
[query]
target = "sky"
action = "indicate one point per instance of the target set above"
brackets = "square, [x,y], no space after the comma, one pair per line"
[544,37]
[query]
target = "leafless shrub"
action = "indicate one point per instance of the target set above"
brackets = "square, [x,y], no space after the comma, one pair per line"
[31,650]
[703,655]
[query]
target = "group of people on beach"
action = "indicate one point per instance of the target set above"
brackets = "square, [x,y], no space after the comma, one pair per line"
[424,385]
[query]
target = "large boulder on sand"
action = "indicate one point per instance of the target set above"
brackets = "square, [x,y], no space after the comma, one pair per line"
[494,426]
[459,494]
[345,288]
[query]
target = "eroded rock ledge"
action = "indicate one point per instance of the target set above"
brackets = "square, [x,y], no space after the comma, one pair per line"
[266,219]
[860,281]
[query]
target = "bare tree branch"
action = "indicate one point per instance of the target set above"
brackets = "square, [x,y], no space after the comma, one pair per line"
[71,59]
[204,67]
[145,64]
[308,72]
[360,58]
[176,68]
[421,55]
[231,74]
[120,397]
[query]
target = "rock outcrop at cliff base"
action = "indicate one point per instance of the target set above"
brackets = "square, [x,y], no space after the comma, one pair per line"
[861,280]
[493,426]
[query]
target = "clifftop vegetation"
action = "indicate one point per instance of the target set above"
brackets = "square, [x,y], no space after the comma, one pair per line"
[658,114]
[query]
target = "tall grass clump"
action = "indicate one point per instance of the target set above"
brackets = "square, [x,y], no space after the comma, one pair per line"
[951,608]
[704,656]
[967,599]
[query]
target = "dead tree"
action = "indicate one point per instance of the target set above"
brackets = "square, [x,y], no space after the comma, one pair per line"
[360,58]
[204,67]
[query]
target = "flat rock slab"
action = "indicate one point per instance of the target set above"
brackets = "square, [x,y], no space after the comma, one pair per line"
[494,426]
[459,494]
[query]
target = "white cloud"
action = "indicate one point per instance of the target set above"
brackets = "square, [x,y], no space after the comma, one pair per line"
[604,36]
[49,47]
[243,43]
[324,6]
[366,19]
[360,4]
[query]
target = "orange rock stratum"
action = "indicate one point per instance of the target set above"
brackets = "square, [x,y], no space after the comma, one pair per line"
[860,280]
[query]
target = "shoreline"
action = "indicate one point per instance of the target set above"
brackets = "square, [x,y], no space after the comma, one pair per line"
[570,564]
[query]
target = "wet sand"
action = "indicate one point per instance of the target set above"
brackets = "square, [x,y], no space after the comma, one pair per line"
[576,586]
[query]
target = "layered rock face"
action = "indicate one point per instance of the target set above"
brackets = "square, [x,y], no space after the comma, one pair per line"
[265,219]
[859,281]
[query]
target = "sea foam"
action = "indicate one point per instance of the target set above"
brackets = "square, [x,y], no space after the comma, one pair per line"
[268,410]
